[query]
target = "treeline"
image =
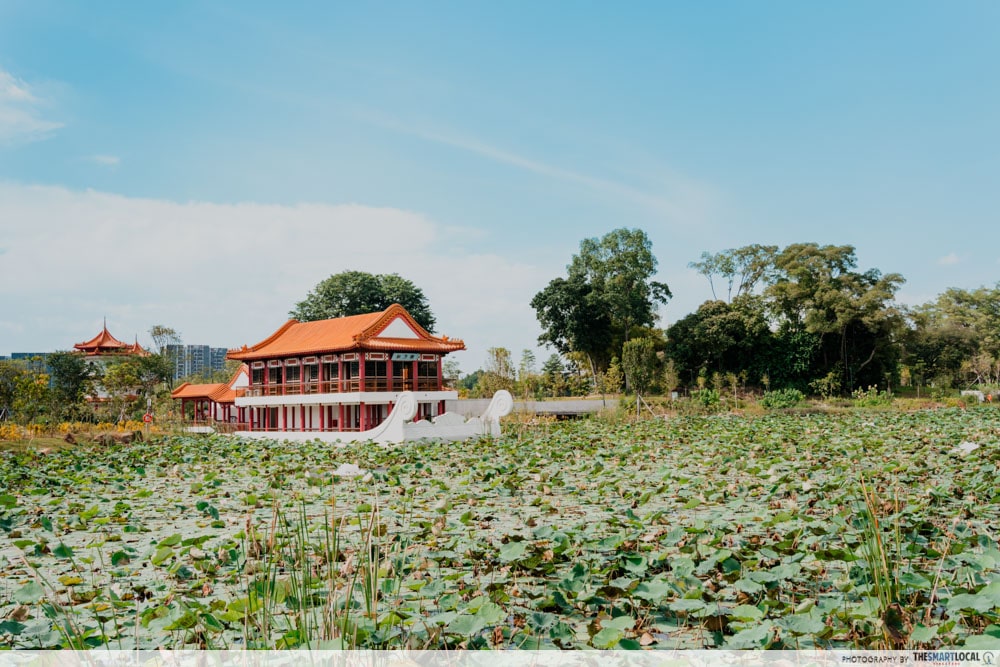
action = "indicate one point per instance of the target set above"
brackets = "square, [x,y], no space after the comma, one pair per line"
[804,317]
[70,387]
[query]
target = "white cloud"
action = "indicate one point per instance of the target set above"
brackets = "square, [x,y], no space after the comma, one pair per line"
[227,274]
[106,160]
[20,112]
[950,259]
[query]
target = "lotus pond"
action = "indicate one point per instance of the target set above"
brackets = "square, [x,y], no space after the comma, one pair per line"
[859,530]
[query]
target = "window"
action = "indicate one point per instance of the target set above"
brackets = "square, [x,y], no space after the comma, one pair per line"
[352,374]
[375,376]
[427,375]
[331,370]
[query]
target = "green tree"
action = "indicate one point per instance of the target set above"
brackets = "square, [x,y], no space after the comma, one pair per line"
[573,319]
[639,364]
[956,337]
[607,293]
[935,347]
[553,376]
[162,336]
[121,383]
[10,374]
[452,372]
[612,379]
[499,372]
[470,382]
[671,377]
[31,396]
[743,268]
[131,380]
[852,312]
[722,337]
[357,293]
[528,380]
[620,265]
[73,379]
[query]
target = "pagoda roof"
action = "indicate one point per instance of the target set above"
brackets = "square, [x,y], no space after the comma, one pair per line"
[105,343]
[392,329]
[219,392]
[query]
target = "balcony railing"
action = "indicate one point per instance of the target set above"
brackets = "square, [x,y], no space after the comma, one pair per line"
[232,426]
[341,386]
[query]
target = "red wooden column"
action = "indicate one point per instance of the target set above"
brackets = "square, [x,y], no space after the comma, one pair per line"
[440,382]
[340,421]
[363,417]
[302,392]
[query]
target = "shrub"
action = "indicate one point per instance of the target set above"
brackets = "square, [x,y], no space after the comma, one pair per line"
[871,398]
[706,398]
[781,398]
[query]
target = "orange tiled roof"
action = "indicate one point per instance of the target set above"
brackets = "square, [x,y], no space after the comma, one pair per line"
[357,332]
[135,348]
[102,341]
[105,343]
[188,390]
[219,392]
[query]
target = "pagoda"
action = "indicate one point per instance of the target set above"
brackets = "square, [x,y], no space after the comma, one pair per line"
[106,345]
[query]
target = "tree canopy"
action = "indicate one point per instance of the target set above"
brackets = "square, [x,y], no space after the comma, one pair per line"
[608,292]
[956,337]
[852,312]
[72,377]
[743,268]
[356,293]
[815,317]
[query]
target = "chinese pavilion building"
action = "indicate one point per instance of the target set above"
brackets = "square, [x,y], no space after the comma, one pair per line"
[213,405]
[104,349]
[340,379]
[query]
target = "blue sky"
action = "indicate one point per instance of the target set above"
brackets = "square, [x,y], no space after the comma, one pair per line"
[204,165]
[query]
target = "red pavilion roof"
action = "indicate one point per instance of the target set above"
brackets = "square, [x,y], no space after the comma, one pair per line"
[105,343]
[219,392]
[357,332]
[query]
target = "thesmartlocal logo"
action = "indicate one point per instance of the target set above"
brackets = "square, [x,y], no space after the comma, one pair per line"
[955,657]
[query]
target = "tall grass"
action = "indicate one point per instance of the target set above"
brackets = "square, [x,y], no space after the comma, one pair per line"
[883,553]
[319,585]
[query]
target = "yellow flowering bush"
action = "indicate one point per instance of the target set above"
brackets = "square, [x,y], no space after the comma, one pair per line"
[10,431]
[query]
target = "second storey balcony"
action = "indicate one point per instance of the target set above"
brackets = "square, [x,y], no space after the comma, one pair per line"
[352,385]
[364,372]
